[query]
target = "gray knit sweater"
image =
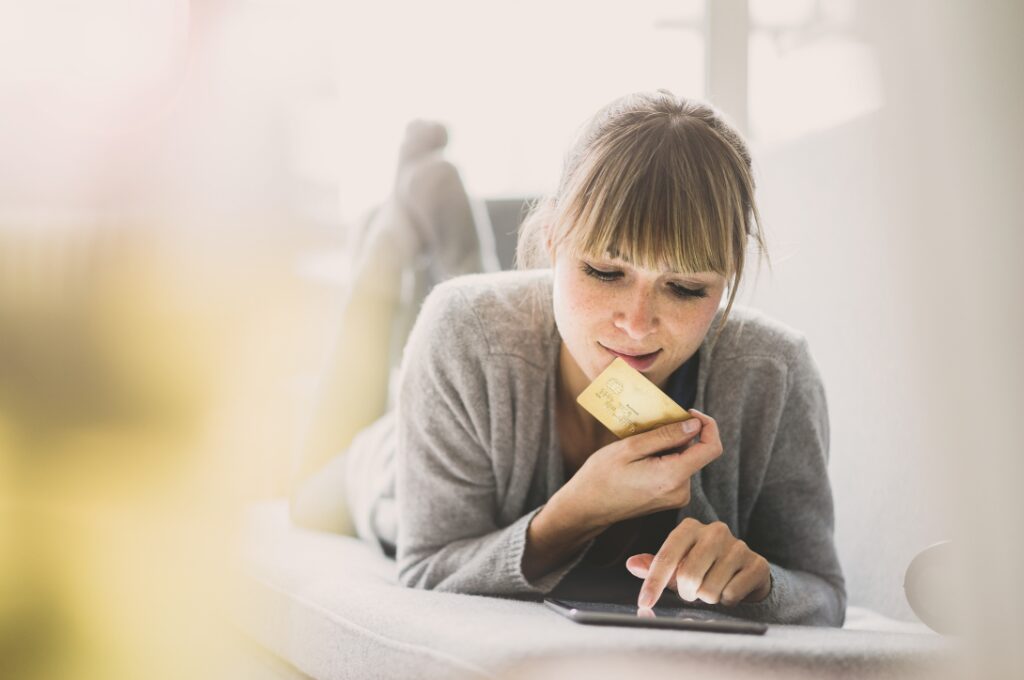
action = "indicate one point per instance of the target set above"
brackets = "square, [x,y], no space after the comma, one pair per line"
[478,452]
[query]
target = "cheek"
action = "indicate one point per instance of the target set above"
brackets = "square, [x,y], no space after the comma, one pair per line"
[579,313]
[705,312]
[586,303]
[576,303]
[691,326]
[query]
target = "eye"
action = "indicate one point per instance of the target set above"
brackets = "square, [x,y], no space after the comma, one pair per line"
[687,293]
[600,273]
[677,289]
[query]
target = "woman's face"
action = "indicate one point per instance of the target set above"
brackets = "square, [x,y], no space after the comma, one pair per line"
[654,320]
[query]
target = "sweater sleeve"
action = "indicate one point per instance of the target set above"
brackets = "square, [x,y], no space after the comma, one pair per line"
[449,537]
[792,520]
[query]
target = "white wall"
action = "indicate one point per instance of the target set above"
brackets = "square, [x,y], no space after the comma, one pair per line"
[836,278]
[953,76]
[897,240]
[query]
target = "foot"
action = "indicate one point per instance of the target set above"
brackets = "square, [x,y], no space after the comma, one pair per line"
[430,190]
[422,137]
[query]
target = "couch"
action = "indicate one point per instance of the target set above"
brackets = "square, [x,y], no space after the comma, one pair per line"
[330,606]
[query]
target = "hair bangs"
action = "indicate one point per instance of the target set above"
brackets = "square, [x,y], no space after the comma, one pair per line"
[652,208]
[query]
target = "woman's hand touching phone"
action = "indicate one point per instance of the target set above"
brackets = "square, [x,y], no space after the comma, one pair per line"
[702,562]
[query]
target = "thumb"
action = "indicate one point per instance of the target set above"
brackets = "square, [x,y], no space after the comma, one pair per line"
[639,565]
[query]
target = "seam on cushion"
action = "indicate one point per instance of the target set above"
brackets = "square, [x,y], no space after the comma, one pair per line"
[390,642]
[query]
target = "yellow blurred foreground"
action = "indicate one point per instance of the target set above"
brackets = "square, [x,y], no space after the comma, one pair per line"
[145,395]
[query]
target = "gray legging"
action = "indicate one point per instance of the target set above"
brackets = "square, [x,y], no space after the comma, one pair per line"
[425,233]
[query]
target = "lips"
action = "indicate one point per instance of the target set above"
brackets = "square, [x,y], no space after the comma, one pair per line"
[640,362]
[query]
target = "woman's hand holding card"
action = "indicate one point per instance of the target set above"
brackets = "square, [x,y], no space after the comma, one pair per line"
[626,479]
[649,470]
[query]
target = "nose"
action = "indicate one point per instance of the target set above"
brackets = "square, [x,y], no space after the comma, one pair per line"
[636,315]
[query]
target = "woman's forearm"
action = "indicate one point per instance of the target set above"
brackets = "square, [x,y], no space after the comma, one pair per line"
[554,536]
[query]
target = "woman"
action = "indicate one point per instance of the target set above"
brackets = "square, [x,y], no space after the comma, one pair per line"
[504,485]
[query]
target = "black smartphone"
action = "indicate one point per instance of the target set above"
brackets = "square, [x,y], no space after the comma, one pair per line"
[606,614]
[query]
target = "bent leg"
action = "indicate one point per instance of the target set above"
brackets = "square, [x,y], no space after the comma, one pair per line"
[423,234]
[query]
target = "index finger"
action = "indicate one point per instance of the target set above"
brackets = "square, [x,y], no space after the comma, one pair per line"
[664,565]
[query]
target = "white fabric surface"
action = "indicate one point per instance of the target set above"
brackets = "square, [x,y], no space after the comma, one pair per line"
[330,606]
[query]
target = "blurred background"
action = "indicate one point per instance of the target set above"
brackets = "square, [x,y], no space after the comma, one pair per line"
[180,183]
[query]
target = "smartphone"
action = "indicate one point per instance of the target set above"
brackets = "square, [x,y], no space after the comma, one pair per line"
[607,614]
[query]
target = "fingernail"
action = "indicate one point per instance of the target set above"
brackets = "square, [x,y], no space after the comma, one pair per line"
[646,599]
[691,425]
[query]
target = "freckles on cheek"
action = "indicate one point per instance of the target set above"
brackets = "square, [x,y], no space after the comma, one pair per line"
[586,299]
[579,304]
[588,309]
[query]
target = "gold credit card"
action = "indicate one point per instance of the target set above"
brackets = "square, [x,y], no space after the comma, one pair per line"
[627,403]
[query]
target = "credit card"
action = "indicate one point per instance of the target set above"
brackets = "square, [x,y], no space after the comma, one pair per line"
[627,403]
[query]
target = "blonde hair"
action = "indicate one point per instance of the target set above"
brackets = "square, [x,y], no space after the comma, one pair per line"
[658,181]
